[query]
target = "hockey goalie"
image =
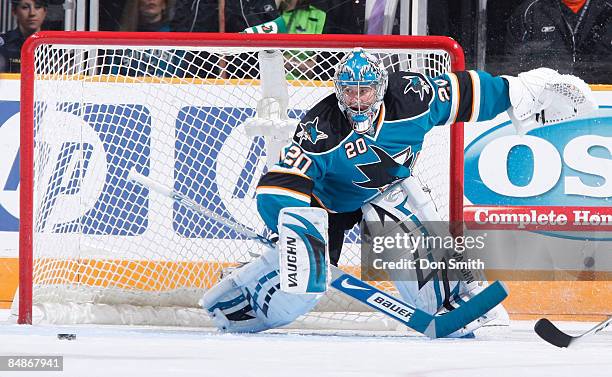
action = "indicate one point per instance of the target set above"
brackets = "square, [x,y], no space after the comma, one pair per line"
[351,148]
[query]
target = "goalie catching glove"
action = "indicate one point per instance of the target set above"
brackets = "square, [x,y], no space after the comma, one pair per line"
[542,97]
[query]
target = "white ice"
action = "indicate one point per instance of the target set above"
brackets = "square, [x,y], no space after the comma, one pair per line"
[128,351]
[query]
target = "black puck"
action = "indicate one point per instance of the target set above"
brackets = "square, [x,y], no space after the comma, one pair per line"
[66,336]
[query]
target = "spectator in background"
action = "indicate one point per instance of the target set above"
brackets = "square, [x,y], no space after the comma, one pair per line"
[241,14]
[296,17]
[301,17]
[146,15]
[110,14]
[196,15]
[307,17]
[30,15]
[203,15]
[343,17]
[316,17]
[572,36]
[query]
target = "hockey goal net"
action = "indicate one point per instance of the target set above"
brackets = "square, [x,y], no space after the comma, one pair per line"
[97,247]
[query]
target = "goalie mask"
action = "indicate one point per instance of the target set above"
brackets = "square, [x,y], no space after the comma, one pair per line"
[360,82]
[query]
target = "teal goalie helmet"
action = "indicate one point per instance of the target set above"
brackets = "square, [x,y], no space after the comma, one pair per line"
[360,83]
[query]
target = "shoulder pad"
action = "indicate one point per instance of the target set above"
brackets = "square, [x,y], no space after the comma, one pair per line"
[409,94]
[323,127]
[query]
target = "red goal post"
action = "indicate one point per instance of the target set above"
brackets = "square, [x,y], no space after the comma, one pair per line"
[83,95]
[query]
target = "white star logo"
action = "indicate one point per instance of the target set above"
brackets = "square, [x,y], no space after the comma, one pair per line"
[309,131]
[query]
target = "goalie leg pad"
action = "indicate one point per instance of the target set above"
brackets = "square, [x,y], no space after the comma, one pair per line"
[250,299]
[398,211]
[303,246]
[229,309]
[418,201]
[407,204]
[401,210]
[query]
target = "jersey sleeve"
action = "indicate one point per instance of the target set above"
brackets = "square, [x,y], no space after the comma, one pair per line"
[303,163]
[468,96]
[288,184]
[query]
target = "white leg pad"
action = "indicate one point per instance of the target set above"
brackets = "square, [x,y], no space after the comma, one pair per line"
[412,209]
[418,201]
[250,299]
[303,247]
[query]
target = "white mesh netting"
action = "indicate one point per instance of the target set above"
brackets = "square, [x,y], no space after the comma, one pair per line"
[110,251]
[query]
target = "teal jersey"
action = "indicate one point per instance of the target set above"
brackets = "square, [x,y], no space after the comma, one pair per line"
[329,165]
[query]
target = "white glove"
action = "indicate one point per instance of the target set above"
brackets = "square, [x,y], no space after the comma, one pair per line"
[543,96]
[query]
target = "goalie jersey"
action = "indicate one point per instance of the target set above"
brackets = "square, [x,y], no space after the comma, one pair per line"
[329,165]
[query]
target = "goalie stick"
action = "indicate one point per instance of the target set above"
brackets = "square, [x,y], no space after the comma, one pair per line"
[550,333]
[433,326]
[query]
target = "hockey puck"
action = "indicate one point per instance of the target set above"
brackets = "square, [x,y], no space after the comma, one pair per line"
[589,262]
[66,336]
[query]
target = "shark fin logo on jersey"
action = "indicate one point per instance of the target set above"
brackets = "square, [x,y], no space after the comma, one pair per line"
[417,85]
[310,131]
[387,169]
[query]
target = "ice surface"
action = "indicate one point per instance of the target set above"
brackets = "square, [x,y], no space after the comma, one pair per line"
[114,351]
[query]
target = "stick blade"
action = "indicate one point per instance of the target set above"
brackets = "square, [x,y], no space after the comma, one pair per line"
[471,310]
[550,333]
